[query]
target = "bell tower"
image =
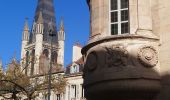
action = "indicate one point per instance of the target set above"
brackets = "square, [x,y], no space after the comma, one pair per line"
[38,43]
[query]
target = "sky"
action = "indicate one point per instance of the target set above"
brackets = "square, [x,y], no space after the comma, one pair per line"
[12,16]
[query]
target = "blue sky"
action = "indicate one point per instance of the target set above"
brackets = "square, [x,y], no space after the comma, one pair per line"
[13,13]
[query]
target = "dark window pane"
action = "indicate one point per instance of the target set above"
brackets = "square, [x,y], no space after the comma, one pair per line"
[114,16]
[114,29]
[124,28]
[32,61]
[113,4]
[54,57]
[124,15]
[45,52]
[124,4]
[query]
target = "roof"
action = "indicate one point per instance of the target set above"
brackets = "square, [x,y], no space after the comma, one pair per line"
[79,61]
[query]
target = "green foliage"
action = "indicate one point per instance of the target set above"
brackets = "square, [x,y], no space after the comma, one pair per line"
[14,82]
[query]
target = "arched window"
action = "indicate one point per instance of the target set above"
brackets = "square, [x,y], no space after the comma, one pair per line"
[32,61]
[27,62]
[54,57]
[119,17]
[46,52]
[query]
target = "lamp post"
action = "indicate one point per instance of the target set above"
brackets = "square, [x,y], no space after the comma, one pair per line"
[51,34]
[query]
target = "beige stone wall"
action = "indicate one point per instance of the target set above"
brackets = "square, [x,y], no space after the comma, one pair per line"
[140,18]
[60,57]
[149,18]
[99,18]
[76,53]
[161,27]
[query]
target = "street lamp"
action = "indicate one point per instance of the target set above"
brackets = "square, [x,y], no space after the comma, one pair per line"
[51,34]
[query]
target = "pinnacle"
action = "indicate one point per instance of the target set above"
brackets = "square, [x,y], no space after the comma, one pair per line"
[26,28]
[40,18]
[62,25]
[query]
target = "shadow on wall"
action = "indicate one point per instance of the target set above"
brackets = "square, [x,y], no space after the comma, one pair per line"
[165,90]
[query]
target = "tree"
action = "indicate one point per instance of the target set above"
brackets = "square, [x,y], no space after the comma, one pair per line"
[14,83]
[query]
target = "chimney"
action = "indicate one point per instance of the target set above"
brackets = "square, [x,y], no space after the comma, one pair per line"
[76,52]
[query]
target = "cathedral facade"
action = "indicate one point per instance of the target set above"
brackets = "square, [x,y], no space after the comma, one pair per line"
[44,44]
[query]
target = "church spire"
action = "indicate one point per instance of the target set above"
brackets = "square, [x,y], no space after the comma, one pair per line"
[46,9]
[26,28]
[61,40]
[39,25]
[61,33]
[25,35]
[40,18]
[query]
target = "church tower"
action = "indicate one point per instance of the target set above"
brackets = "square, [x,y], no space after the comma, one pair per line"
[61,39]
[37,42]
[25,38]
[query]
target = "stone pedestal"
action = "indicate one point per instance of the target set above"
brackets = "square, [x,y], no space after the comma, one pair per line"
[121,67]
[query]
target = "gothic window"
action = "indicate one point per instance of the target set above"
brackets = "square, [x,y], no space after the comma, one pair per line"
[119,17]
[54,57]
[82,91]
[32,61]
[74,91]
[27,62]
[58,97]
[46,53]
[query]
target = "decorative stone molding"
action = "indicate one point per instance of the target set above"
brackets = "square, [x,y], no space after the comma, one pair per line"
[91,62]
[116,56]
[148,56]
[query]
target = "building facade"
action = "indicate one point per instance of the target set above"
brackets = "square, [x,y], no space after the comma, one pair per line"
[127,51]
[73,75]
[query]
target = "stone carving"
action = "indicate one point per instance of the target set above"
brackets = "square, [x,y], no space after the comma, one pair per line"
[148,56]
[116,56]
[91,62]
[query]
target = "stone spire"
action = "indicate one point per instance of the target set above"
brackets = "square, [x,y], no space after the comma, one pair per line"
[61,33]
[25,38]
[25,34]
[61,43]
[62,25]
[46,8]
[39,25]
[26,28]
[40,18]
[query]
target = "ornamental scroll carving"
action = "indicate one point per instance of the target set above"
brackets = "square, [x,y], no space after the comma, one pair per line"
[91,62]
[116,56]
[148,56]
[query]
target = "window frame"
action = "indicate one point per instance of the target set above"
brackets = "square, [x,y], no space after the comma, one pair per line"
[119,22]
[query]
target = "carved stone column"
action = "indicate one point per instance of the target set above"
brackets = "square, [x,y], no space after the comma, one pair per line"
[120,67]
